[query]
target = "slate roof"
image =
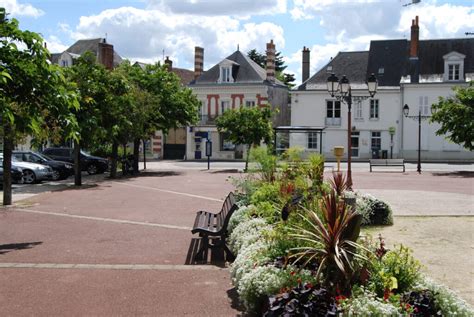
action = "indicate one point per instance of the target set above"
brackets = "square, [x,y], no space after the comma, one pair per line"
[244,71]
[185,75]
[81,46]
[431,54]
[351,64]
[393,56]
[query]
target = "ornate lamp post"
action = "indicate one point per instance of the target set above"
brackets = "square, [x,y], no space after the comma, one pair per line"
[341,90]
[406,110]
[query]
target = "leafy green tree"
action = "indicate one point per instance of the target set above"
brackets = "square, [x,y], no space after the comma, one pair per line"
[247,126]
[165,103]
[91,80]
[35,99]
[455,114]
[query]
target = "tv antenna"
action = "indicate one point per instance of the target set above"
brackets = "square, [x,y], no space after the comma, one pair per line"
[410,3]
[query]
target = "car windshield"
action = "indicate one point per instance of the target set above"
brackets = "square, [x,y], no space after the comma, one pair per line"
[43,156]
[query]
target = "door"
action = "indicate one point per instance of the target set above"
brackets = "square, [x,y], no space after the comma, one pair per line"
[355,143]
[175,144]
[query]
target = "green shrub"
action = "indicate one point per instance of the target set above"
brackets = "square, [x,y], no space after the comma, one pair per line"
[266,163]
[396,271]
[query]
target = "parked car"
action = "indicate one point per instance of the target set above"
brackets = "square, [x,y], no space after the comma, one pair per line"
[61,170]
[17,175]
[32,172]
[90,164]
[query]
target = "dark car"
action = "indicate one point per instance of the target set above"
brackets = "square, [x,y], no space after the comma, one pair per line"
[61,170]
[17,176]
[89,163]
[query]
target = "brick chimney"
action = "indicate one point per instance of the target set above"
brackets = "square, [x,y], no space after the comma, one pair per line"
[271,61]
[305,69]
[415,37]
[198,61]
[105,54]
[168,63]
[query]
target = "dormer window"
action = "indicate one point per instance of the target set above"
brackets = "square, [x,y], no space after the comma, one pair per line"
[225,71]
[226,74]
[454,66]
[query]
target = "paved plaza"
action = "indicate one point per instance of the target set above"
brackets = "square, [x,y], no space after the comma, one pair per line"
[122,247]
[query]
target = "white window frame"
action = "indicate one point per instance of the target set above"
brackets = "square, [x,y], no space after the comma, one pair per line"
[454,71]
[374,109]
[454,63]
[374,137]
[358,113]
[224,106]
[312,140]
[333,112]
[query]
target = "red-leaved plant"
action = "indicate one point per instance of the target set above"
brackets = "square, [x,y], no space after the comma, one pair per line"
[330,241]
[339,183]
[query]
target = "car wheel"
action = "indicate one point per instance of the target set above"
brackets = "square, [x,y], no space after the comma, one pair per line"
[56,175]
[29,177]
[92,169]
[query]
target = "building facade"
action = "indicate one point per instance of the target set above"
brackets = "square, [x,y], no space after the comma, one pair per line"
[234,82]
[415,73]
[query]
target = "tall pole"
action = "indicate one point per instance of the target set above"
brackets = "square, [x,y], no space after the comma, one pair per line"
[419,143]
[349,140]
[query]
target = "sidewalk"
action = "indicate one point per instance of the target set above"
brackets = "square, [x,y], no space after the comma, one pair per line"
[121,247]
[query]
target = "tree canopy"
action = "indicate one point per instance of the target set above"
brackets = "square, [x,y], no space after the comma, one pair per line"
[35,98]
[280,66]
[247,125]
[455,114]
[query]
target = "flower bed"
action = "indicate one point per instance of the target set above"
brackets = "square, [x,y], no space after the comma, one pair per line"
[299,250]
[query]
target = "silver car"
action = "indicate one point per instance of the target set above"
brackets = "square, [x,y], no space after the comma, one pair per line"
[32,172]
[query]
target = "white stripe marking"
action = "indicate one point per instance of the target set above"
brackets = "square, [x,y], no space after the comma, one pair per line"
[159,267]
[129,222]
[170,191]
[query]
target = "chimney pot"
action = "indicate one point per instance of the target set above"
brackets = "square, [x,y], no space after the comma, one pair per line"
[168,63]
[305,64]
[198,61]
[271,61]
[414,39]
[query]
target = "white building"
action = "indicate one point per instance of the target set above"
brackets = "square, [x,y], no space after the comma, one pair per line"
[412,72]
[235,81]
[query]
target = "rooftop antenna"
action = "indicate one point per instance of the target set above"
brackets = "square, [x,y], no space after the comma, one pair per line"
[163,54]
[469,33]
[412,2]
[105,37]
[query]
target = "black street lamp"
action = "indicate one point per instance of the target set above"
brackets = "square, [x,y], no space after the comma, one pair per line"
[406,110]
[342,91]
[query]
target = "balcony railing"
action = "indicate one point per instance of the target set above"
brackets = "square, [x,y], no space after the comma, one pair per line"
[335,122]
[207,120]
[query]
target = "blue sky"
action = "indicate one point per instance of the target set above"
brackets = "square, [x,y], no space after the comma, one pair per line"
[142,29]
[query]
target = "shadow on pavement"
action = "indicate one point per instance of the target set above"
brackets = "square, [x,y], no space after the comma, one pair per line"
[226,171]
[217,256]
[5,248]
[235,302]
[458,174]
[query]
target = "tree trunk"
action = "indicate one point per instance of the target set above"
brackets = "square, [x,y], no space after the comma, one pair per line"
[247,158]
[144,154]
[136,153]
[7,163]
[113,164]
[77,164]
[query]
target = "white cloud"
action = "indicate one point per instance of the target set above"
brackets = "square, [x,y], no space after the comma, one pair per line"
[55,45]
[443,21]
[144,34]
[15,8]
[235,8]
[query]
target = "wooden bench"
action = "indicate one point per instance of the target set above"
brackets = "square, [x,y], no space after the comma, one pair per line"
[209,224]
[387,162]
